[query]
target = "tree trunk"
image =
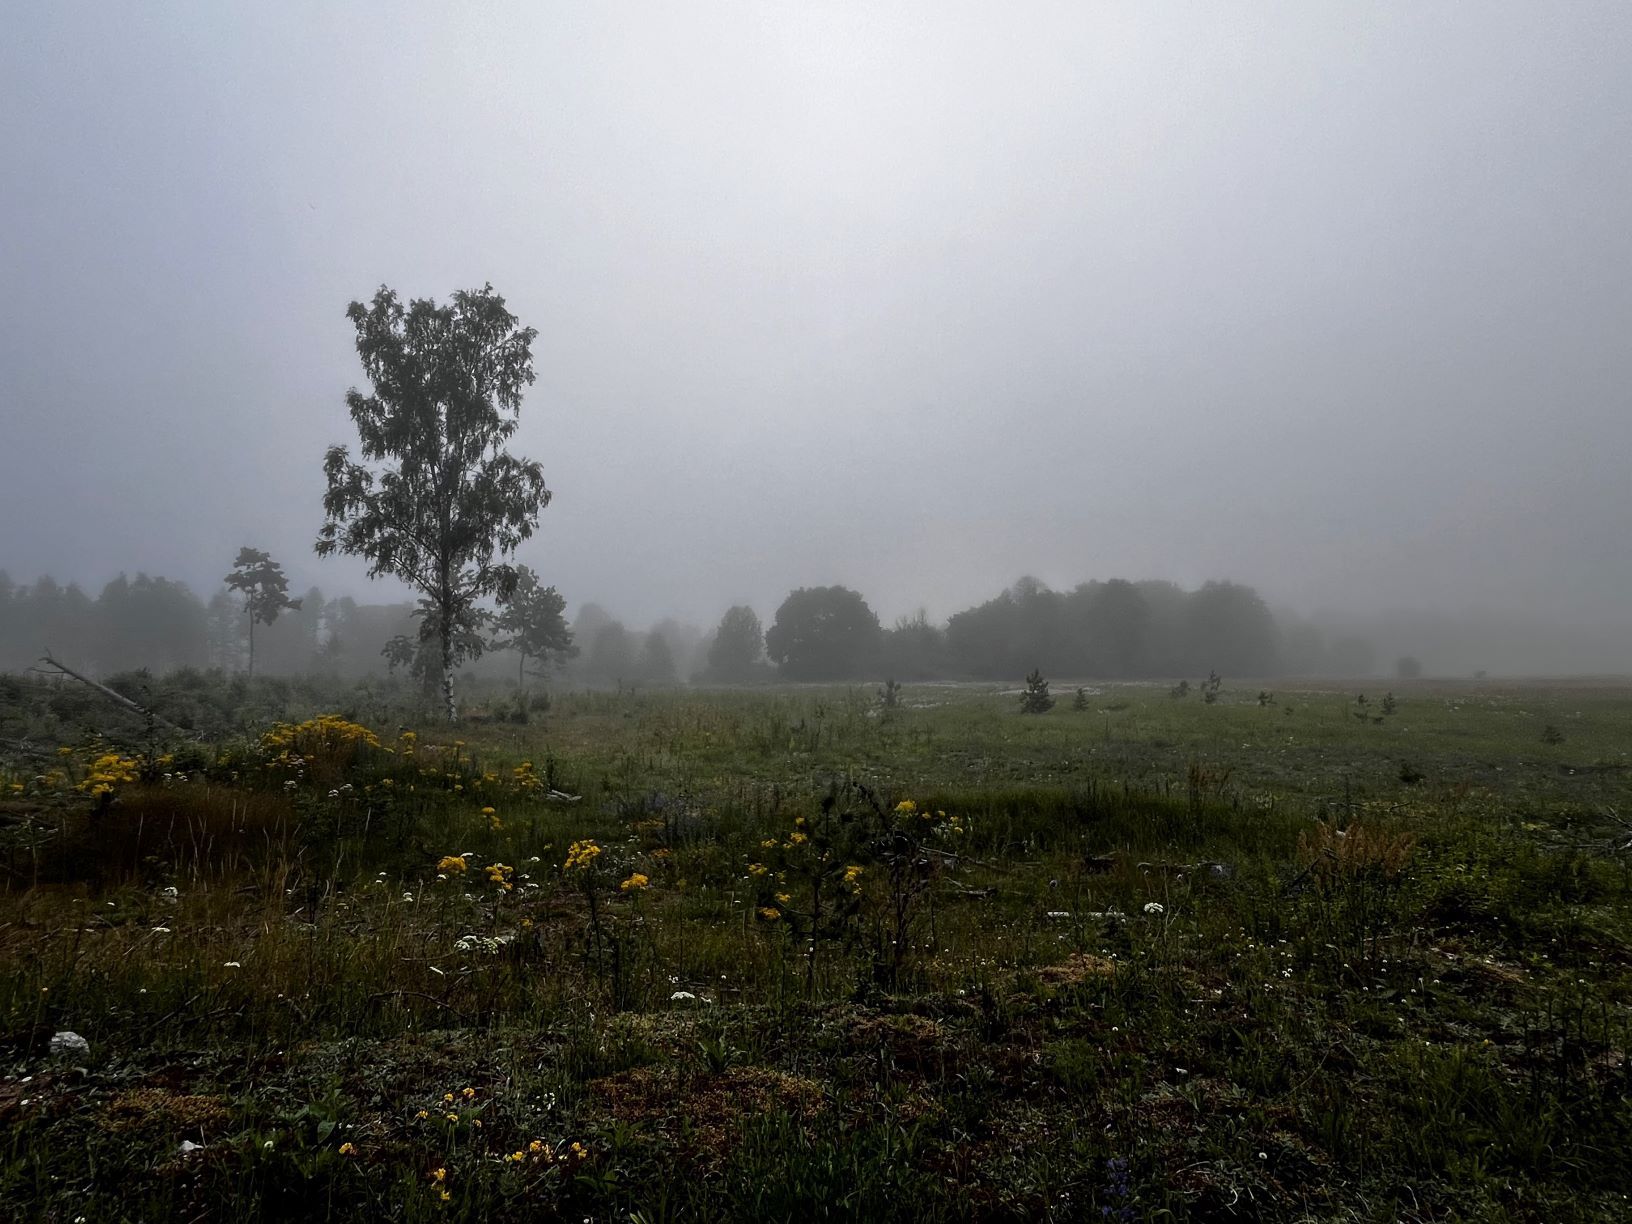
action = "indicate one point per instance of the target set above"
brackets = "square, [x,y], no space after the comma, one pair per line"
[252,646]
[447,674]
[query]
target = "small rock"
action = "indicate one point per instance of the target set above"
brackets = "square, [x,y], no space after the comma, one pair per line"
[67,1044]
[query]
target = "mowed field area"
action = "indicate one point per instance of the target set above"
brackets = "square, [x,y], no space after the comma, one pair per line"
[1294,952]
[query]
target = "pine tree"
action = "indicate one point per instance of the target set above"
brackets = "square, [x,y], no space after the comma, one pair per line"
[260,580]
[1036,700]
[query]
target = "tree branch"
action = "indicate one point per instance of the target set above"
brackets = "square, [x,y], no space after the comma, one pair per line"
[110,694]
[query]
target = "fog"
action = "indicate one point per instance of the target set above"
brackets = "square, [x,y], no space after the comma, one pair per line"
[1329,300]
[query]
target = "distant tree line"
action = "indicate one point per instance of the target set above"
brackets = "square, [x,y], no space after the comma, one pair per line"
[163,625]
[1112,629]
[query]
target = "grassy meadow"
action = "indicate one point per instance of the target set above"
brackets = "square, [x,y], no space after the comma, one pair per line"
[793,954]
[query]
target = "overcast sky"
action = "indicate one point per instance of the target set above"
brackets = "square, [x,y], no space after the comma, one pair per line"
[1333,299]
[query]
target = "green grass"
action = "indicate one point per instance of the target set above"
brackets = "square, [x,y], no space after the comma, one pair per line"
[1133,968]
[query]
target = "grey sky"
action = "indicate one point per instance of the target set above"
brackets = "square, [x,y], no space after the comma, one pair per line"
[1333,299]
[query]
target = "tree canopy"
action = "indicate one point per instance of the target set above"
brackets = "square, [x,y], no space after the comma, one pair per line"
[436,499]
[532,622]
[735,654]
[265,591]
[823,633]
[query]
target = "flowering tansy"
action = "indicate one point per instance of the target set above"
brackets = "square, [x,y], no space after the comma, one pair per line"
[108,771]
[581,855]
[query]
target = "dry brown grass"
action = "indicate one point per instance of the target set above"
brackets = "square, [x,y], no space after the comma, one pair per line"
[141,1108]
[708,1108]
[1076,969]
[1330,852]
[190,828]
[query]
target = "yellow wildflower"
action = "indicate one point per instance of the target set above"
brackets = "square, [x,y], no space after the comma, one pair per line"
[328,735]
[757,869]
[635,882]
[783,898]
[453,864]
[108,771]
[348,1149]
[581,855]
[769,914]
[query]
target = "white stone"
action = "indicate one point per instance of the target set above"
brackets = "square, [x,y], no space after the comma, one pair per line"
[67,1044]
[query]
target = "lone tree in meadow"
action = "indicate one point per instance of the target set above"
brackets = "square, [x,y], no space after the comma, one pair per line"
[436,499]
[531,622]
[260,580]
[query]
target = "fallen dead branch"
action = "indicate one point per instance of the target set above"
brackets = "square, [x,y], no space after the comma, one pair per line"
[118,698]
